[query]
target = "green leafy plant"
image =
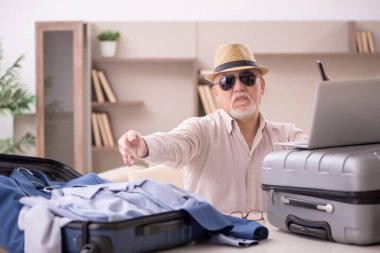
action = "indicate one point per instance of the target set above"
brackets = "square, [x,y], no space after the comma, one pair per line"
[109,35]
[16,99]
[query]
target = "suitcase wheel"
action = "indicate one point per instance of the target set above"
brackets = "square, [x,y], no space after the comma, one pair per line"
[90,247]
[97,244]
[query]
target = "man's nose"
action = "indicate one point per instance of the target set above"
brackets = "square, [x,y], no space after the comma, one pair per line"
[239,85]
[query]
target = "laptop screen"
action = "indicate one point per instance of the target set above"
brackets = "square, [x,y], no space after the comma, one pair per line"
[346,112]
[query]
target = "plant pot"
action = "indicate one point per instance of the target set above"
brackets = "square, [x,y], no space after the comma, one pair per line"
[108,48]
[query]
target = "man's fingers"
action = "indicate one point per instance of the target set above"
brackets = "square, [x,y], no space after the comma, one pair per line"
[128,160]
[133,137]
[129,147]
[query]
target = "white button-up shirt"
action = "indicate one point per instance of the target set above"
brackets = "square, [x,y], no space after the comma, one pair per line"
[219,165]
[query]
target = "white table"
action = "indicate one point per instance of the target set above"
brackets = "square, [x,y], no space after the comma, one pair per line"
[283,242]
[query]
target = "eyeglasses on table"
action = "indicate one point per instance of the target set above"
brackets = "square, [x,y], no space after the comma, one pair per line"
[254,215]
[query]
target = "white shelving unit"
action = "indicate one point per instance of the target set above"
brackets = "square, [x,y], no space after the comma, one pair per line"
[154,75]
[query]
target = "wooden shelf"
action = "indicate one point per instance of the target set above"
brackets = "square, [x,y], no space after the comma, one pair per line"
[348,54]
[148,83]
[150,79]
[117,104]
[142,60]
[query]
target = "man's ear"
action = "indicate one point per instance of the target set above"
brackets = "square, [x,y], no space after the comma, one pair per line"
[262,84]
[215,92]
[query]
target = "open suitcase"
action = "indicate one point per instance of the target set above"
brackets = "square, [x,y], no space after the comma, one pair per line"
[331,193]
[143,234]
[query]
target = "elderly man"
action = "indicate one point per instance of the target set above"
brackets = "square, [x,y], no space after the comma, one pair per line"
[221,153]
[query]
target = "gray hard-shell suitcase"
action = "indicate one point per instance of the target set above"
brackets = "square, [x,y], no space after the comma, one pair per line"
[141,234]
[331,193]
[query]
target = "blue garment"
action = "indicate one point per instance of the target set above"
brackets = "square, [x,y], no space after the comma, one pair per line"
[212,220]
[247,229]
[209,218]
[121,201]
[23,183]
[115,201]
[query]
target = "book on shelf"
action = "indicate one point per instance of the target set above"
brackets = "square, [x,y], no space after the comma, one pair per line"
[205,93]
[111,140]
[102,131]
[211,98]
[202,95]
[107,87]
[99,97]
[95,130]
[365,42]
[371,42]
[359,43]
[207,98]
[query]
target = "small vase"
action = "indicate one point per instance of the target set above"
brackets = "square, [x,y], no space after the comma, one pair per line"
[108,48]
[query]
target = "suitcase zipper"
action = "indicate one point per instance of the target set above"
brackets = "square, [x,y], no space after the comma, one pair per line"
[357,198]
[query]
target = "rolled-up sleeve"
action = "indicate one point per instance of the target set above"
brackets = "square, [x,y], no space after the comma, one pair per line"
[177,147]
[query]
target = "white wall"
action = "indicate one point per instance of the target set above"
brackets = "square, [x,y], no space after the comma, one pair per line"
[17,17]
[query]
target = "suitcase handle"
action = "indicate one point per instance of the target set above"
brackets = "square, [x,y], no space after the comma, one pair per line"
[319,229]
[160,227]
[327,207]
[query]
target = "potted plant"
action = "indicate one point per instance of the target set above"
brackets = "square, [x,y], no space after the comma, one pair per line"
[14,99]
[108,42]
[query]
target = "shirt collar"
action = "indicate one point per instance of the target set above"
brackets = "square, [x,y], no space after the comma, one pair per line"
[262,122]
[228,121]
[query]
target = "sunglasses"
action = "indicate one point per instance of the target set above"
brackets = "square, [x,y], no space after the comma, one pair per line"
[226,82]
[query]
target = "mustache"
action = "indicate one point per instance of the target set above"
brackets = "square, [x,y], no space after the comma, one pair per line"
[236,96]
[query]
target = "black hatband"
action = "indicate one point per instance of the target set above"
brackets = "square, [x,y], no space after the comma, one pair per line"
[235,64]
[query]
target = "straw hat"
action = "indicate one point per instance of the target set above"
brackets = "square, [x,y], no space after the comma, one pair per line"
[231,57]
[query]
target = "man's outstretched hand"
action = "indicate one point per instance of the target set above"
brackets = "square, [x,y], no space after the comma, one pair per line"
[132,147]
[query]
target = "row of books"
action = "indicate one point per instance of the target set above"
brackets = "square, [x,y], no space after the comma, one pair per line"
[365,42]
[102,87]
[207,98]
[101,130]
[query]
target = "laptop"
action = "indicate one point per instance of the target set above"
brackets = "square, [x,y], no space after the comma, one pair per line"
[346,112]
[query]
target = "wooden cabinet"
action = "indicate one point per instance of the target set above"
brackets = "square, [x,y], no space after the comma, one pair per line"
[61,93]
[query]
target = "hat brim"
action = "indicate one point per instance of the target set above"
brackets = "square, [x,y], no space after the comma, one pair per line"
[210,77]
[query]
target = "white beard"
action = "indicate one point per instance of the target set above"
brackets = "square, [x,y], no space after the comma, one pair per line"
[243,112]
